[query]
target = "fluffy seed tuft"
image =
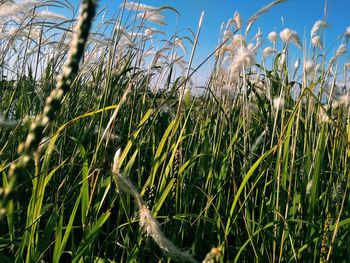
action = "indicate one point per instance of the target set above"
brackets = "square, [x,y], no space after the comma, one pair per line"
[288,35]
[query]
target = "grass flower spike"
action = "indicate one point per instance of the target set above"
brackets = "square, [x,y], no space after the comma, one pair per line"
[154,17]
[53,102]
[317,26]
[268,51]
[237,20]
[147,220]
[138,7]
[272,36]
[236,144]
[341,50]
[317,41]
[288,35]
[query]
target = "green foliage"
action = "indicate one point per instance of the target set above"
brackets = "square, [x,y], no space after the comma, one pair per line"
[257,180]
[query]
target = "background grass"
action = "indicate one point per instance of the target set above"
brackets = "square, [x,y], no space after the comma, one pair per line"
[227,169]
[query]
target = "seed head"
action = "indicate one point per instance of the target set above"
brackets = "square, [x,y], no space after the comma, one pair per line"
[152,228]
[116,161]
[347,66]
[341,50]
[282,60]
[268,51]
[180,43]
[138,7]
[44,14]
[288,35]
[317,41]
[309,67]
[154,17]
[272,36]
[147,220]
[278,103]
[297,64]
[227,34]
[238,41]
[213,256]
[323,117]
[317,26]
[243,58]
[237,20]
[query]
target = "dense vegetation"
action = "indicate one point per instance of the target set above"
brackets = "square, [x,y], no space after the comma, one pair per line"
[254,168]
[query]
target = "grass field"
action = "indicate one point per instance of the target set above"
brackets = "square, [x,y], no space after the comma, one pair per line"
[254,169]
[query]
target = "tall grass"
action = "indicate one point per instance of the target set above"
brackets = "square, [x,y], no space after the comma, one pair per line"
[252,170]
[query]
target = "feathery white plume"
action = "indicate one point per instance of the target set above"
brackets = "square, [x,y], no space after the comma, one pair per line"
[268,51]
[138,7]
[238,41]
[317,26]
[50,15]
[347,34]
[282,60]
[154,17]
[227,34]
[243,58]
[9,8]
[152,228]
[278,103]
[237,20]
[309,67]
[151,31]
[323,117]
[317,42]
[288,35]
[180,43]
[341,101]
[341,50]
[272,36]
[116,159]
[147,220]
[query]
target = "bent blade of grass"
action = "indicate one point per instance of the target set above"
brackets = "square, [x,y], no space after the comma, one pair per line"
[175,147]
[316,176]
[131,162]
[10,210]
[100,203]
[34,213]
[64,126]
[243,184]
[85,183]
[90,237]
[271,224]
[62,243]
[160,156]
[135,134]
[164,195]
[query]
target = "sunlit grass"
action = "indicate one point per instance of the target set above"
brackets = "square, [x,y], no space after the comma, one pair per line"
[253,169]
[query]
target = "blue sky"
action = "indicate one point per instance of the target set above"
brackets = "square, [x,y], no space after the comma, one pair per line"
[299,15]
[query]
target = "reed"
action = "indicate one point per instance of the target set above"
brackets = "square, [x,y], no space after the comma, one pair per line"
[254,168]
